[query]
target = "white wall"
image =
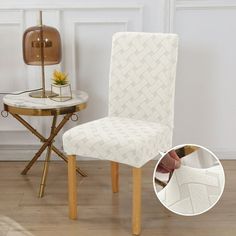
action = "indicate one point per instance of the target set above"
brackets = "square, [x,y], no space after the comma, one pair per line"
[204,107]
[205,92]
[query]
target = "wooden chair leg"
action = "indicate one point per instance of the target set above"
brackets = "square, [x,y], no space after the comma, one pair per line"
[115,176]
[72,187]
[137,198]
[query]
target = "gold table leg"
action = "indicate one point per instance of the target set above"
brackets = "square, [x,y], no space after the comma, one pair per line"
[47,143]
[47,160]
[42,139]
[63,157]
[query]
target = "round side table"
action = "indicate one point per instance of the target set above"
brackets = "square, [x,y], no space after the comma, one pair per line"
[23,104]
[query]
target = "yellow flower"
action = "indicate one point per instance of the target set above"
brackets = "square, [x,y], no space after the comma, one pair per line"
[60,78]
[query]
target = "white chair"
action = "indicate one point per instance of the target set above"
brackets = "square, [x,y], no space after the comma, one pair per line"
[140,120]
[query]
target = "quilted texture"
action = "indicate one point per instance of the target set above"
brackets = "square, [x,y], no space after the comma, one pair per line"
[124,140]
[142,76]
[192,191]
[141,96]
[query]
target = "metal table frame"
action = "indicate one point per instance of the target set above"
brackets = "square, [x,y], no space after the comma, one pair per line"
[67,113]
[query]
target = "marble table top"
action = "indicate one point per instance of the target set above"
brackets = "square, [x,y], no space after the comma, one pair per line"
[25,101]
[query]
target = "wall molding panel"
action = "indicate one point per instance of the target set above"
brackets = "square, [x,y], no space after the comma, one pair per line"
[188,5]
[169,9]
[206,63]
[99,22]
[67,6]
[13,22]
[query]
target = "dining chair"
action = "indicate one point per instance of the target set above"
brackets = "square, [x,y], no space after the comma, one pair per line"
[140,118]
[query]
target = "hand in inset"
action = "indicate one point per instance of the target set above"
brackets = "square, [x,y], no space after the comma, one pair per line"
[169,162]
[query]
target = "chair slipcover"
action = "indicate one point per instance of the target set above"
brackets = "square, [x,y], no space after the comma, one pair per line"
[141,102]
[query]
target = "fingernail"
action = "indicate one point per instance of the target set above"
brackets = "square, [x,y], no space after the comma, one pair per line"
[177,164]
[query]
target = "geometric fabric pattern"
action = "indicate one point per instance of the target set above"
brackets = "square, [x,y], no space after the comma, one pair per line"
[141,93]
[192,191]
[142,76]
[124,140]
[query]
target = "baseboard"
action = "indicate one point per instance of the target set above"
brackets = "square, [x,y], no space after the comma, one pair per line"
[225,154]
[26,152]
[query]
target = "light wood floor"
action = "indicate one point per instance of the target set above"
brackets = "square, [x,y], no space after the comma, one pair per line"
[100,211]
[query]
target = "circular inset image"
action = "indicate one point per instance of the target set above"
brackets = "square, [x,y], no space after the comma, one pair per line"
[188,179]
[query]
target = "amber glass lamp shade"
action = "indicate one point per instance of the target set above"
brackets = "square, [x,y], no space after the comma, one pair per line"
[41,45]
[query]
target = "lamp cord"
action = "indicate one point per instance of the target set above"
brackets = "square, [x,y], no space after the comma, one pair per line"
[4,113]
[26,91]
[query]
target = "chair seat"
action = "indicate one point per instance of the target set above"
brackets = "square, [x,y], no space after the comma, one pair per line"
[124,140]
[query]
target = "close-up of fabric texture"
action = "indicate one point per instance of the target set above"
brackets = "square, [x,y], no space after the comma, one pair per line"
[192,191]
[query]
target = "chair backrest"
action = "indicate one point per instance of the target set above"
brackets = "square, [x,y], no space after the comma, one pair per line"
[142,76]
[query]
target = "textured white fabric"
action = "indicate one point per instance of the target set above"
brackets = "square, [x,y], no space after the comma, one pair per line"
[141,94]
[200,158]
[124,140]
[192,191]
[143,69]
